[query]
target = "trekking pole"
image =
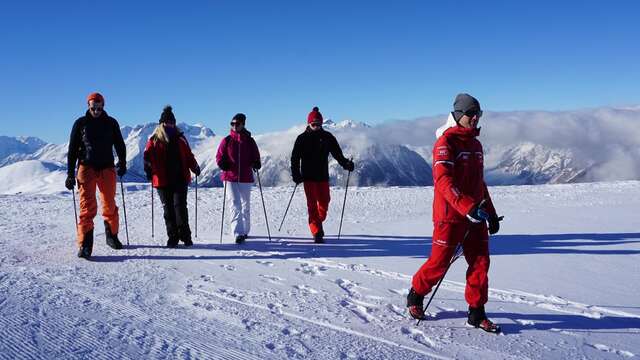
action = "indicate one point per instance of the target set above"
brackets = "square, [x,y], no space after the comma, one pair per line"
[196,206]
[344,202]
[263,207]
[285,212]
[124,207]
[224,198]
[152,212]
[75,212]
[458,253]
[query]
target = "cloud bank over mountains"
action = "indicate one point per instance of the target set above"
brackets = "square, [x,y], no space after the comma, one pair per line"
[522,147]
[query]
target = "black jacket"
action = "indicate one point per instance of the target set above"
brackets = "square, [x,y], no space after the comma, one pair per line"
[92,141]
[313,148]
[174,163]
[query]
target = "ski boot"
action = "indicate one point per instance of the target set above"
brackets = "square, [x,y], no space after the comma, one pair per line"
[240,239]
[415,305]
[112,239]
[184,233]
[173,240]
[87,245]
[478,319]
[318,237]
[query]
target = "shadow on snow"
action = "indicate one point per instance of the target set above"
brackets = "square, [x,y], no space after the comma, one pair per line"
[555,322]
[359,245]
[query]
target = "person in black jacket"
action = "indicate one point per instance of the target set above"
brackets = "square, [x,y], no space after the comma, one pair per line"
[311,152]
[91,144]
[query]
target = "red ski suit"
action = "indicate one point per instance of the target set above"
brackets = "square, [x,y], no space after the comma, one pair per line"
[458,186]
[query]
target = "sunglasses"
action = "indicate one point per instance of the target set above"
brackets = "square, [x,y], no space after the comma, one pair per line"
[95,108]
[235,123]
[315,124]
[472,113]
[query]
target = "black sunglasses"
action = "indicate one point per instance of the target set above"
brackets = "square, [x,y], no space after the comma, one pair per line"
[96,108]
[234,123]
[472,113]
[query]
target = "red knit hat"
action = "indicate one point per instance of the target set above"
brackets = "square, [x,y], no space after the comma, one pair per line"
[95,97]
[314,116]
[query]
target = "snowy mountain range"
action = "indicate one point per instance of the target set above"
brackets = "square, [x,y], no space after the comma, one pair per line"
[520,148]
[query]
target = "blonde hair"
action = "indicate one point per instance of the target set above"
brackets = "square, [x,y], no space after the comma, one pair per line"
[159,134]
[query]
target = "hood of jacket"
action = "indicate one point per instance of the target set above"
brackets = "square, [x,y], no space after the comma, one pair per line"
[451,126]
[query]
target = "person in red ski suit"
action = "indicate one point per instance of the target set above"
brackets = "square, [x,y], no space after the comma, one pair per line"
[461,209]
[311,153]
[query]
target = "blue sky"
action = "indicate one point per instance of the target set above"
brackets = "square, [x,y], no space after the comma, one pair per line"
[370,61]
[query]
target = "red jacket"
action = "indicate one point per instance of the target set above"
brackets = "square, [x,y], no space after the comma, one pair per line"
[241,152]
[155,157]
[458,166]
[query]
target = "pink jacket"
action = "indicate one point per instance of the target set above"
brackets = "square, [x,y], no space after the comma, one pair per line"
[241,153]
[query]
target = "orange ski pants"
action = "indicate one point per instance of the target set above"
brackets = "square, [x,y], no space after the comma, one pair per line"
[105,180]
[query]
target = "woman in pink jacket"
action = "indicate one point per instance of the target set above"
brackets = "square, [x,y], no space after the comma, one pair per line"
[237,157]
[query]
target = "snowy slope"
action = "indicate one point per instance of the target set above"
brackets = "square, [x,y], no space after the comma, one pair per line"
[563,280]
[32,176]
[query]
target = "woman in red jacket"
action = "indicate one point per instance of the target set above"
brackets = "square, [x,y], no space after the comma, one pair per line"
[167,161]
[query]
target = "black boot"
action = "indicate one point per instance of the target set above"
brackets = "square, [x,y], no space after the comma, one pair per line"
[87,245]
[184,233]
[172,233]
[318,238]
[112,239]
[240,239]
[478,318]
[173,242]
[415,304]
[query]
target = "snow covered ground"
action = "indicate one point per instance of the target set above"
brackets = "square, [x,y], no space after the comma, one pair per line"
[564,280]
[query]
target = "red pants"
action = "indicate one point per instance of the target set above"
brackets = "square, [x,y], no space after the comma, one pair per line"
[317,203]
[446,236]
[105,180]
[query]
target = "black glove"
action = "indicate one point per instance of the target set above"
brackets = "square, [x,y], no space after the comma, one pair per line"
[148,172]
[349,165]
[224,164]
[70,182]
[122,168]
[297,178]
[494,224]
[197,170]
[256,165]
[478,214]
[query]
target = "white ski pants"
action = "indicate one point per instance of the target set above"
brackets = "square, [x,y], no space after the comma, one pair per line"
[240,198]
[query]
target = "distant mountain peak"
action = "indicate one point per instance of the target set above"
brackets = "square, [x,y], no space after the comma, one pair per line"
[521,147]
[346,124]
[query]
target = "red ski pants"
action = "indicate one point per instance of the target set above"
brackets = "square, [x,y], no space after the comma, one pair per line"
[446,237]
[318,198]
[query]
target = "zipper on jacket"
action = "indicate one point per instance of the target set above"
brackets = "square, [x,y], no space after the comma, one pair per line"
[239,157]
